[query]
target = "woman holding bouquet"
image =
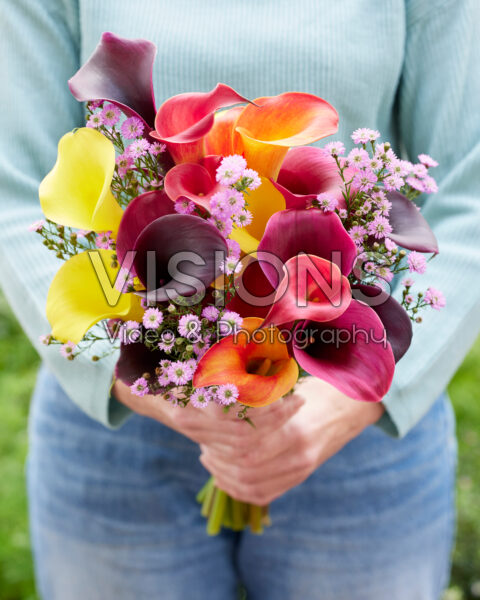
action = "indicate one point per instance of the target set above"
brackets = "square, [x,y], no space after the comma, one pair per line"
[362,493]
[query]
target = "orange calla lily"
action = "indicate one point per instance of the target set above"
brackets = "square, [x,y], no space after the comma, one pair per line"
[255,360]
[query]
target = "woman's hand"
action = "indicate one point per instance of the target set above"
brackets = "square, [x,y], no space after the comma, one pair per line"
[263,467]
[210,426]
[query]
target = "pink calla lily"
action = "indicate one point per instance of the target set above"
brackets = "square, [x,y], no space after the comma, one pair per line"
[311,231]
[195,181]
[350,352]
[306,172]
[120,71]
[409,227]
[312,288]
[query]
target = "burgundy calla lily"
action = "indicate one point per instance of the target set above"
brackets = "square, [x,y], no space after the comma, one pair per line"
[312,231]
[195,181]
[254,294]
[395,319]
[120,71]
[349,352]
[312,288]
[184,120]
[410,229]
[141,211]
[136,360]
[306,172]
[195,246]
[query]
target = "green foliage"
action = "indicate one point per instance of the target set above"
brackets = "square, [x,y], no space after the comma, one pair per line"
[18,364]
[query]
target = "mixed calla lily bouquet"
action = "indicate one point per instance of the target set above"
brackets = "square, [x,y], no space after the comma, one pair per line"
[221,253]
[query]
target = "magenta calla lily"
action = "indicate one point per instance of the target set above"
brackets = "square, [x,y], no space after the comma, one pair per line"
[202,247]
[312,288]
[306,172]
[409,227]
[141,211]
[195,181]
[311,231]
[184,120]
[255,293]
[350,352]
[396,321]
[120,71]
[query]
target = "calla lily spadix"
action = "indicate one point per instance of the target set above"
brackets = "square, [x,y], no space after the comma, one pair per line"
[82,293]
[76,192]
[256,361]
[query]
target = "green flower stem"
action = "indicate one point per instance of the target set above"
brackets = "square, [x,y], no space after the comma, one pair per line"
[215,517]
[255,518]
[238,515]
[203,492]
[207,502]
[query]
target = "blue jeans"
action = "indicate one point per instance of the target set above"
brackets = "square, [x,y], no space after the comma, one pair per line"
[114,517]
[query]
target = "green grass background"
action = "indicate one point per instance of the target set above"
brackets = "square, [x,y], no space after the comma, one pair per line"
[18,365]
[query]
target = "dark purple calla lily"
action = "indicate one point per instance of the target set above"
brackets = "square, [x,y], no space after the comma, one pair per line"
[173,273]
[410,229]
[120,71]
[311,231]
[135,360]
[141,211]
[306,172]
[349,352]
[395,319]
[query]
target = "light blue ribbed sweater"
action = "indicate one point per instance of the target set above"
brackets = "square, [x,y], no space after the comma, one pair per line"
[409,68]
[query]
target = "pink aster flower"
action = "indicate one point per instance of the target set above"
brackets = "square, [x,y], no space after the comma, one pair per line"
[184,206]
[369,267]
[229,323]
[103,240]
[379,227]
[417,263]
[152,318]
[435,298]
[364,135]
[179,373]
[227,394]
[375,164]
[230,266]
[334,148]
[384,207]
[94,104]
[356,233]
[359,158]
[110,115]
[408,282]
[235,200]
[416,184]
[139,387]
[384,273]
[210,313]
[220,207]
[132,128]
[327,202]
[45,339]
[189,326]
[243,219]
[164,378]
[37,226]
[200,397]
[399,167]
[390,245]
[124,163]
[365,180]
[224,226]
[393,182]
[201,346]
[124,281]
[427,160]
[138,148]
[231,169]
[167,344]
[157,148]
[94,121]
[343,213]
[233,248]
[408,299]
[67,350]
[420,171]
[430,185]
[254,176]
[131,332]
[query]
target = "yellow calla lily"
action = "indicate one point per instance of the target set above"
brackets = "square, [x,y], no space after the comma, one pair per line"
[83,293]
[76,192]
[262,203]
